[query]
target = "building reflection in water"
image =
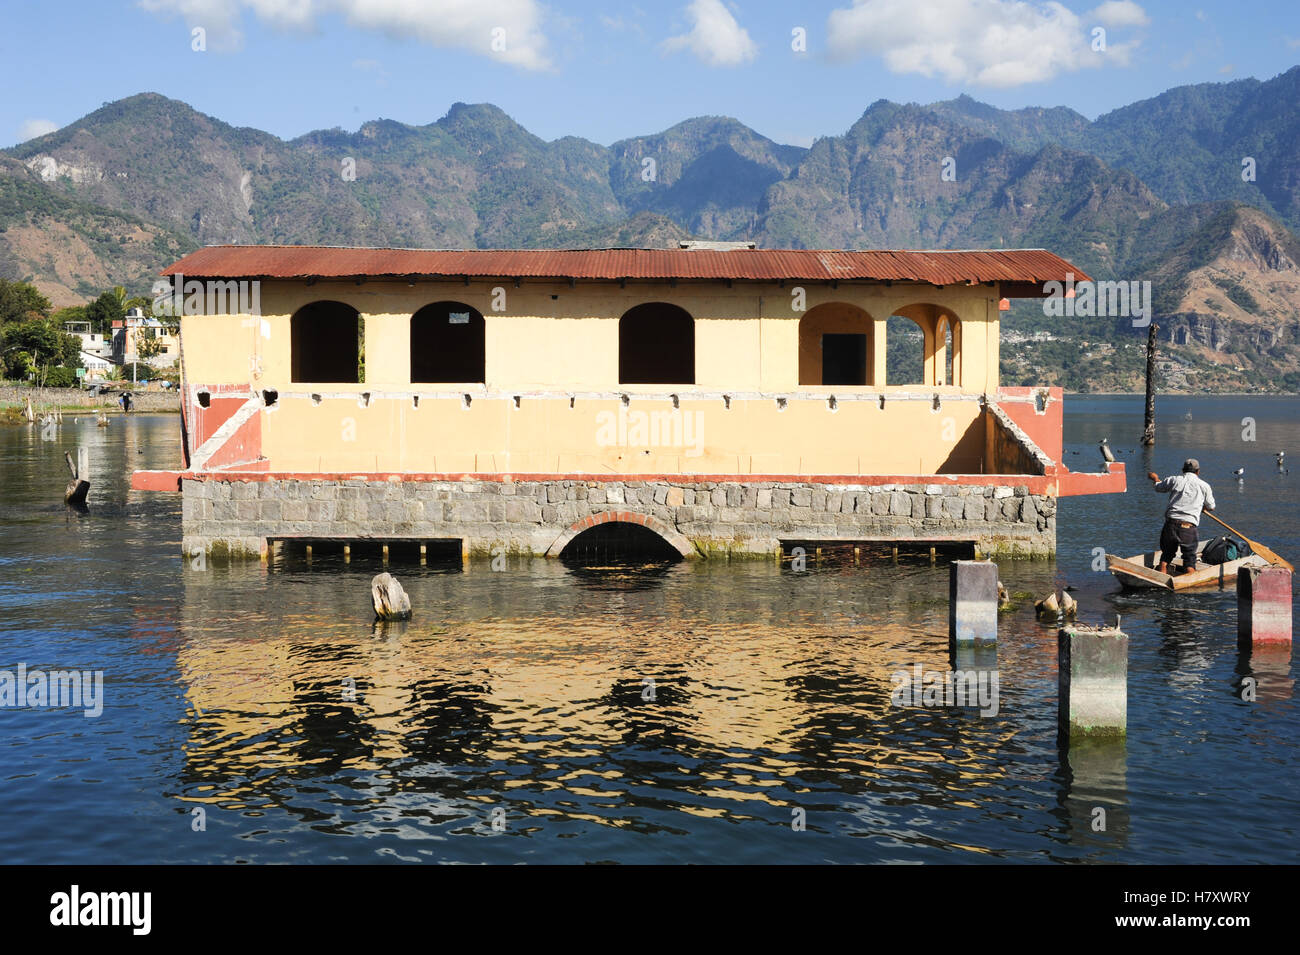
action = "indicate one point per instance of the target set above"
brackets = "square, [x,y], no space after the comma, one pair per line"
[615,698]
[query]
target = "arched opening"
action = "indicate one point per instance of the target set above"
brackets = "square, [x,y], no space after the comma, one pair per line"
[326,343]
[618,543]
[905,347]
[937,360]
[447,344]
[656,345]
[836,346]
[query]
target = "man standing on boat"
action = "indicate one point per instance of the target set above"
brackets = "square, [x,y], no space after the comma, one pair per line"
[1188,496]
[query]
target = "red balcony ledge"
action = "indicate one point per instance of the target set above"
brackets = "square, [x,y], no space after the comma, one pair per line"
[1057,482]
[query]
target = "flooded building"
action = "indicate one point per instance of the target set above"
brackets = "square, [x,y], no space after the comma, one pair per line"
[724,401]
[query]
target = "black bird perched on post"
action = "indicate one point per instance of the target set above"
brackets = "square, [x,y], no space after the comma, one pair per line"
[1105,450]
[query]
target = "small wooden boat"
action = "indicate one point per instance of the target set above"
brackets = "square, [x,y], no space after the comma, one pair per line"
[1142,571]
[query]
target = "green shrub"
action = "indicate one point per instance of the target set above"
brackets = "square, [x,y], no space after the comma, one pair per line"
[61,377]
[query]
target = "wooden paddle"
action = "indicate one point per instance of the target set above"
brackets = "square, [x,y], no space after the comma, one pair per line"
[1256,546]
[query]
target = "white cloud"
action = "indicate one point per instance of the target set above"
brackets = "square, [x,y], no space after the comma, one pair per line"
[995,43]
[1120,13]
[32,128]
[471,25]
[715,36]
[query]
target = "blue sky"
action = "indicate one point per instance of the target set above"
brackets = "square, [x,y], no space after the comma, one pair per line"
[608,70]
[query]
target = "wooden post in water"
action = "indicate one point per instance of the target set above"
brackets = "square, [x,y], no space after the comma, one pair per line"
[1149,420]
[77,489]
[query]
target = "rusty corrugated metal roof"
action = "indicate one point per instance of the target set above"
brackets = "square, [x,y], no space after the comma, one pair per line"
[933,267]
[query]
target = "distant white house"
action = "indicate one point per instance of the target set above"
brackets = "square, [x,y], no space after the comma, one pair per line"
[96,367]
[91,342]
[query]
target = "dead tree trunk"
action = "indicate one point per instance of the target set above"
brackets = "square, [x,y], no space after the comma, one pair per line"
[79,486]
[1149,425]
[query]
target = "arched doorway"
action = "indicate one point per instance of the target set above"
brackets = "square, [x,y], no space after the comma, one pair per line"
[447,344]
[326,343]
[656,345]
[836,346]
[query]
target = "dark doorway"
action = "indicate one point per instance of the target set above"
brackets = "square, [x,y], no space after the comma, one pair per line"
[447,344]
[844,359]
[325,343]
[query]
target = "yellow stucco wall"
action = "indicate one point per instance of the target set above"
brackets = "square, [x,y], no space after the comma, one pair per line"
[556,348]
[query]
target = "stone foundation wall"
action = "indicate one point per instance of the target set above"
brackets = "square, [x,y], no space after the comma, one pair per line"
[721,518]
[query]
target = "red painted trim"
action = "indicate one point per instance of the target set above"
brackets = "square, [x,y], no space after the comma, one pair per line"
[1047,428]
[1036,483]
[1112,481]
[156,480]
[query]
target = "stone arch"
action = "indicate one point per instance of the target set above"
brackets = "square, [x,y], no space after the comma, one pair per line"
[836,342]
[941,348]
[675,540]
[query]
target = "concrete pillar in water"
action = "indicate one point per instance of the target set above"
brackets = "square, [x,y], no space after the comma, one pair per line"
[1092,681]
[972,601]
[1263,606]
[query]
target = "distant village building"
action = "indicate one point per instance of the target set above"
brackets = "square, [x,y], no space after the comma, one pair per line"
[731,401]
[96,351]
[91,341]
[136,327]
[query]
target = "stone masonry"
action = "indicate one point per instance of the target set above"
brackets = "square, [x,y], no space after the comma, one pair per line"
[701,518]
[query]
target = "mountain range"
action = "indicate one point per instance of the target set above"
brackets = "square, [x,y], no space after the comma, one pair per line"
[1197,189]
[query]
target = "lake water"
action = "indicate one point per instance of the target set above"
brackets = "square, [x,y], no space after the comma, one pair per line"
[693,713]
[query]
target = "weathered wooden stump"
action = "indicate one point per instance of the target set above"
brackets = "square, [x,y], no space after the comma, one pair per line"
[389,599]
[77,489]
[1050,608]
